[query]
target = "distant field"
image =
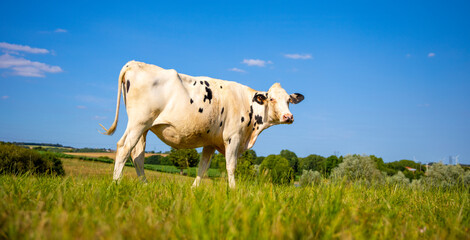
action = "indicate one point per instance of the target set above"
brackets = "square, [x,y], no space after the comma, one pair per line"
[87,204]
[80,168]
[106,154]
[46,146]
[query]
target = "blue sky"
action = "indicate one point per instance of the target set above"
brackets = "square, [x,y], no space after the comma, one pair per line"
[390,79]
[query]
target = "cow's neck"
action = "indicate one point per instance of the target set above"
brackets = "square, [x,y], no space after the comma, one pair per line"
[259,122]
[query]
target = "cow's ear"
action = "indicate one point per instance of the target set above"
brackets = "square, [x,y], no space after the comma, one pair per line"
[259,98]
[296,98]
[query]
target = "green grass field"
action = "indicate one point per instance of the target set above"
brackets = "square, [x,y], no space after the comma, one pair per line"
[86,204]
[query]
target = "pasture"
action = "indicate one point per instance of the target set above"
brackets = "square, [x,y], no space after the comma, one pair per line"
[85,204]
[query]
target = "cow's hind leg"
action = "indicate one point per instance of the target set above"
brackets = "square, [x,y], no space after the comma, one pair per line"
[204,164]
[138,156]
[125,145]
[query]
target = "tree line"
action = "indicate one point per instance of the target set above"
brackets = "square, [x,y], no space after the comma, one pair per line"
[249,163]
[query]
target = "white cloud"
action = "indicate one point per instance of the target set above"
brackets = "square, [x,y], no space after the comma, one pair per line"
[60,30]
[298,56]
[237,70]
[256,62]
[99,117]
[431,54]
[22,48]
[81,107]
[5,97]
[25,67]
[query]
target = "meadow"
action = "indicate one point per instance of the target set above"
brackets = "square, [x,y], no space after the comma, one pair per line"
[86,204]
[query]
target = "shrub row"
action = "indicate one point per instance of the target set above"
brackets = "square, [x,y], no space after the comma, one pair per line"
[19,160]
[361,168]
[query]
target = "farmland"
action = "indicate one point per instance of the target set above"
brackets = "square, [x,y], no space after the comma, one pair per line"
[111,155]
[86,204]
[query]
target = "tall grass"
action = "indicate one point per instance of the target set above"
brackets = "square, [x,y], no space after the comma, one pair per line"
[93,207]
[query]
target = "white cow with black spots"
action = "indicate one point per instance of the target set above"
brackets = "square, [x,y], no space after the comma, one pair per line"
[190,112]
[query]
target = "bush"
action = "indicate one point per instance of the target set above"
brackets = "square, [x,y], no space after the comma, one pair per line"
[309,178]
[18,160]
[277,169]
[446,176]
[398,179]
[357,168]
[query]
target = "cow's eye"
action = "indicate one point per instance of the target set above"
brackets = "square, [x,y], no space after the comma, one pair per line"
[271,99]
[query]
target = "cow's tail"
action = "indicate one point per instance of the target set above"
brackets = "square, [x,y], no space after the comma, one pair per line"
[111,130]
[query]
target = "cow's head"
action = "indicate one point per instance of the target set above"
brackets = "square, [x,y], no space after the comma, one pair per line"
[278,101]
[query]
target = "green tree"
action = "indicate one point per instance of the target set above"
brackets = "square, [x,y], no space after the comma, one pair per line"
[259,160]
[218,162]
[393,167]
[330,163]
[312,162]
[292,158]
[277,168]
[184,158]
[245,164]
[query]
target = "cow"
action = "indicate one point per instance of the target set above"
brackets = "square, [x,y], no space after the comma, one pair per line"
[190,112]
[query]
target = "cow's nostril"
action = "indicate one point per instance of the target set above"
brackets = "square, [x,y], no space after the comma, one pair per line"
[288,117]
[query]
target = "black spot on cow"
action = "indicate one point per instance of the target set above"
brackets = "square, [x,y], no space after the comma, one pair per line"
[208,131]
[257,128]
[259,119]
[243,119]
[220,124]
[200,110]
[229,140]
[128,85]
[222,111]
[207,84]
[191,101]
[127,65]
[253,129]
[250,115]
[208,95]
[194,83]
[220,86]
[200,82]
[254,125]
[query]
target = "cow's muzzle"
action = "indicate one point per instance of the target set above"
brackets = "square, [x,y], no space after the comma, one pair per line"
[287,118]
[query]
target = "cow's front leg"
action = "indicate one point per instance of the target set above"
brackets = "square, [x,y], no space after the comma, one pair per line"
[231,156]
[204,164]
